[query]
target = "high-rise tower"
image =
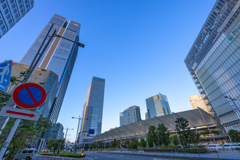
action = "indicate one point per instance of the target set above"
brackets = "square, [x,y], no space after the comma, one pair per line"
[130,115]
[11,12]
[214,59]
[93,110]
[198,101]
[59,57]
[157,106]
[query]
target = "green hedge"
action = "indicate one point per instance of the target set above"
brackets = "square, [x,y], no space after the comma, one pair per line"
[66,154]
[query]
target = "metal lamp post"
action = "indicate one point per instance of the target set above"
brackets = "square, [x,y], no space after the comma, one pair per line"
[77,133]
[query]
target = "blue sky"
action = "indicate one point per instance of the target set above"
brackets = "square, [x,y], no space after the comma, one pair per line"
[138,46]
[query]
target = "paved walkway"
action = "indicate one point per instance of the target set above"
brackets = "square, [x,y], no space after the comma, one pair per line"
[225,155]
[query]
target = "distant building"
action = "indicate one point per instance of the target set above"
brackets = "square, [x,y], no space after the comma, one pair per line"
[198,101]
[130,115]
[157,106]
[93,110]
[11,12]
[56,131]
[146,115]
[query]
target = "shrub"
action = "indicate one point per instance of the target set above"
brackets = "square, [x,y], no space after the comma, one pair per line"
[172,146]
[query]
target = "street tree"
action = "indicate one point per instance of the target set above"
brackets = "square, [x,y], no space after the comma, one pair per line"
[56,144]
[186,136]
[152,136]
[163,135]
[143,143]
[174,140]
[234,135]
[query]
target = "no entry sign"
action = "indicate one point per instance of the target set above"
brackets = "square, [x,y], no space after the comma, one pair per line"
[29,95]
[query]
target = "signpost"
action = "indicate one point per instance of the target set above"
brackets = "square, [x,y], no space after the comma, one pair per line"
[91,131]
[27,96]
[5,75]
[19,113]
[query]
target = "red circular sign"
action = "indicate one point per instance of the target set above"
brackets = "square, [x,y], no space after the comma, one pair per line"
[29,95]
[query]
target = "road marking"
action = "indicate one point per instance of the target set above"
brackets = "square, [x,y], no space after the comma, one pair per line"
[95,157]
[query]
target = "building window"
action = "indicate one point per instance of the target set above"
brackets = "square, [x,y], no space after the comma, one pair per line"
[8,16]
[13,5]
[4,5]
[6,11]
[3,27]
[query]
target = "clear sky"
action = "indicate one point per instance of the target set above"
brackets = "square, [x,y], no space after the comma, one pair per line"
[138,46]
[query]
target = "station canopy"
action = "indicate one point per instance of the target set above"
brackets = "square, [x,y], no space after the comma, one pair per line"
[197,118]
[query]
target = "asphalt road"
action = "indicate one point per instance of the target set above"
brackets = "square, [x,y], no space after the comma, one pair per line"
[104,156]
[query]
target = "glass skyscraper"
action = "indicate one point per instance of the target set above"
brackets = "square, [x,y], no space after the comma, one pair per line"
[59,56]
[214,61]
[130,115]
[11,12]
[157,106]
[93,110]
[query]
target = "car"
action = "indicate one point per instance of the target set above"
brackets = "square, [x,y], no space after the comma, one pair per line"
[214,147]
[28,154]
[230,146]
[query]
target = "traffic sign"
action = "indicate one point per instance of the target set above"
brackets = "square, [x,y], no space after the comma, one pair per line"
[29,95]
[5,74]
[19,113]
[91,131]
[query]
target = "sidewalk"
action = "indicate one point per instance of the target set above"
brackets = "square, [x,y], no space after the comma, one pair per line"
[222,156]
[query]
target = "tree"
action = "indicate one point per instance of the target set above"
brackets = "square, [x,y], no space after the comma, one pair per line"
[186,136]
[163,135]
[56,144]
[134,143]
[174,140]
[152,136]
[27,130]
[86,147]
[94,145]
[143,143]
[233,134]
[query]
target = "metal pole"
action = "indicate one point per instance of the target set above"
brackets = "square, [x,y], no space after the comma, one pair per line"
[9,138]
[66,134]
[206,124]
[77,134]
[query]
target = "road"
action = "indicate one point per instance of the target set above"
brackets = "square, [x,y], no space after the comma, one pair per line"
[104,156]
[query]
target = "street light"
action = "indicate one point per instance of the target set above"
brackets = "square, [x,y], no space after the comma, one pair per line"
[66,132]
[77,131]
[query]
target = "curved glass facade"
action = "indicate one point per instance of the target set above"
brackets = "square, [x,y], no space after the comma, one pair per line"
[217,73]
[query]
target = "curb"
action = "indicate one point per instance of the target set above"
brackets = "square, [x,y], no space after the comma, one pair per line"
[165,156]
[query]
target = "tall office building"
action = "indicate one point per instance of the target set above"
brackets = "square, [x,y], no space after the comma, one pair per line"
[214,61]
[59,57]
[198,101]
[157,106]
[11,12]
[130,115]
[93,110]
